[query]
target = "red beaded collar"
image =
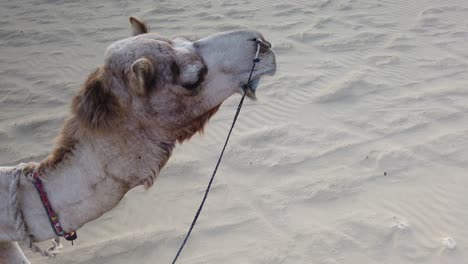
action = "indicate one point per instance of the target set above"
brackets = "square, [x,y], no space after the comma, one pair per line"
[53,219]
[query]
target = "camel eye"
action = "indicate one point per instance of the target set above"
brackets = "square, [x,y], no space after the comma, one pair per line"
[192,76]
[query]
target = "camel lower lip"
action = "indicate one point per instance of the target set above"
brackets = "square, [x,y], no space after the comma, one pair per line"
[252,88]
[253,84]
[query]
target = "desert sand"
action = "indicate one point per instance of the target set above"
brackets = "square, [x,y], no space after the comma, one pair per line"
[354,153]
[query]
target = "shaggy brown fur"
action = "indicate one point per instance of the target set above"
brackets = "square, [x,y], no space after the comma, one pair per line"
[64,145]
[196,125]
[96,107]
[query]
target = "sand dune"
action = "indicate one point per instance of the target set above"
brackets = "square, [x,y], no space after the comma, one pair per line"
[355,152]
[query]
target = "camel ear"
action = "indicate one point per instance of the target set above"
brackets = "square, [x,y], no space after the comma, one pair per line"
[144,74]
[138,26]
[96,107]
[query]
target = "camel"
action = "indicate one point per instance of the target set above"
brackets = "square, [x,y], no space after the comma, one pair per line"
[151,93]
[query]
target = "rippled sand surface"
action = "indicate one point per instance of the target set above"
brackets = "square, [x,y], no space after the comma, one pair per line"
[356,151]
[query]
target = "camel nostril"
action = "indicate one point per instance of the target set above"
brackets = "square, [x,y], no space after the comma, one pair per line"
[263,46]
[263,43]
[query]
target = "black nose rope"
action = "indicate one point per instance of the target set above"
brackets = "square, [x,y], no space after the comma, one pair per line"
[244,88]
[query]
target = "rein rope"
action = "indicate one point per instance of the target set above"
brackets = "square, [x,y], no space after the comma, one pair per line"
[244,88]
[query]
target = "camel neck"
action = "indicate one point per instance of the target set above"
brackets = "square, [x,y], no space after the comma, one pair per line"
[92,178]
[78,190]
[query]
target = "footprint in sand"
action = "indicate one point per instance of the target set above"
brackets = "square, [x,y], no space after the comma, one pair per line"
[400,224]
[449,243]
[383,60]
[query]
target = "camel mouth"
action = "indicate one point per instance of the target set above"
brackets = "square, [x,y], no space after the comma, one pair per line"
[251,87]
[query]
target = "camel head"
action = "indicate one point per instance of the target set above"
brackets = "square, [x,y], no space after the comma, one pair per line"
[174,84]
